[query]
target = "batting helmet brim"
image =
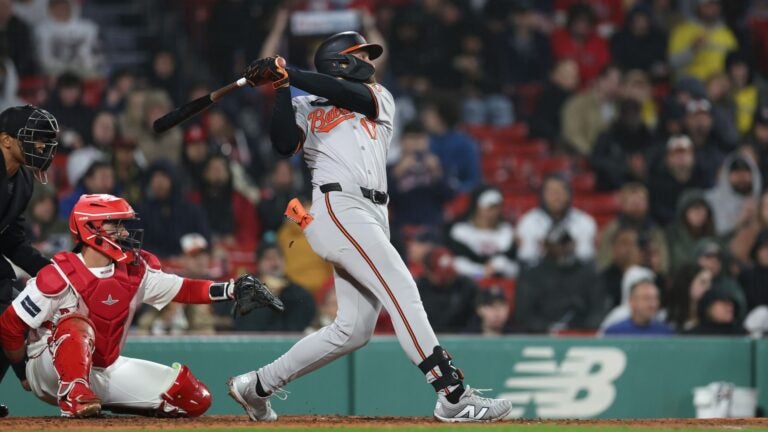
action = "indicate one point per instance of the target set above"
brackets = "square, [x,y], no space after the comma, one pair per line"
[374,50]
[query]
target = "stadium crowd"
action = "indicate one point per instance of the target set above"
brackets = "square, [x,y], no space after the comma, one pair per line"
[559,166]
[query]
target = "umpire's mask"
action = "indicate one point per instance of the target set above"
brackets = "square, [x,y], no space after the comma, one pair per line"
[37,130]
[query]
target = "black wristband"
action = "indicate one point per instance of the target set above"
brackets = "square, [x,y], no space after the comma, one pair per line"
[218,291]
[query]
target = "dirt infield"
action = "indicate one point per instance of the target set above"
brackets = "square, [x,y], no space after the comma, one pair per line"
[107,423]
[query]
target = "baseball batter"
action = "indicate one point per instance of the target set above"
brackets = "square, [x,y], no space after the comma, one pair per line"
[345,127]
[80,306]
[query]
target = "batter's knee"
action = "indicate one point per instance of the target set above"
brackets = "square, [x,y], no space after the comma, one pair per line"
[359,332]
[187,396]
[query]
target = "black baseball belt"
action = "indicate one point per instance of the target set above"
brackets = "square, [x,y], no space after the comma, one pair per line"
[376,197]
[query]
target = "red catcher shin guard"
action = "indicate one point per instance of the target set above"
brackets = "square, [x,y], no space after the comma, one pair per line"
[190,397]
[72,349]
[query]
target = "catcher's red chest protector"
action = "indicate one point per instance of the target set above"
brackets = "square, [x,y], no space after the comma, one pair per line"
[108,301]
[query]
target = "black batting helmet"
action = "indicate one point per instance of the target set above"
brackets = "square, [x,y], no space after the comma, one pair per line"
[334,52]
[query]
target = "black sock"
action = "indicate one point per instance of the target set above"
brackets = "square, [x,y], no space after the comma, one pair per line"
[453,397]
[260,390]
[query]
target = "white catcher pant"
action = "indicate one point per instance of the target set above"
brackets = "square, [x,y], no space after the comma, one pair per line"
[128,382]
[353,233]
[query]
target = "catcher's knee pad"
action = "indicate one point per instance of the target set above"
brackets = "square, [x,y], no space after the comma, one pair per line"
[72,348]
[449,374]
[187,394]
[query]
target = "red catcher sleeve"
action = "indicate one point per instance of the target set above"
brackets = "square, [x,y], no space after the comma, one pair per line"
[194,291]
[12,330]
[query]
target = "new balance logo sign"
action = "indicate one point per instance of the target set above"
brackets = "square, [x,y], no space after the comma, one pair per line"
[110,301]
[469,412]
[580,386]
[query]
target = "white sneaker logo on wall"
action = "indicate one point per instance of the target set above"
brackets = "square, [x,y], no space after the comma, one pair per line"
[581,386]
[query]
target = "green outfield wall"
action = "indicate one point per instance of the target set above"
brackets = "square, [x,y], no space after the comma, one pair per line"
[544,377]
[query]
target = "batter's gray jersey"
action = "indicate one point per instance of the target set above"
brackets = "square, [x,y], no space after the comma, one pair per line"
[352,232]
[346,147]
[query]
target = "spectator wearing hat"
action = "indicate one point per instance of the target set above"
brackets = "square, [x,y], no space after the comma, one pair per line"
[555,209]
[194,154]
[560,291]
[492,313]
[299,304]
[735,196]
[640,44]
[694,221]
[417,186]
[484,243]
[634,212]
[720,314]
[643,309]
[580,41]
[621,153]
[698,46]
[710,144]
[754,280]
[677,172]
[129,174]
[448,297]
[590,112]
[711,256]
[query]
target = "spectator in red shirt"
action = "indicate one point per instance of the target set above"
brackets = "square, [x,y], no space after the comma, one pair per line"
[579,41]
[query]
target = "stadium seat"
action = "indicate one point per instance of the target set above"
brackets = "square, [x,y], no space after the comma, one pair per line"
[93,92]
[583,183]
[456,207]
[33,89]
[597,203]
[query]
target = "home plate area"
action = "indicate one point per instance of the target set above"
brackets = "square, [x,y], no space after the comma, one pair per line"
[310,422]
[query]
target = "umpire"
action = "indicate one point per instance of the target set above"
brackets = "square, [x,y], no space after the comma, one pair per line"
[28,143]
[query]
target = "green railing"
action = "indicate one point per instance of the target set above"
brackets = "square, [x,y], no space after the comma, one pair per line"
[544,377]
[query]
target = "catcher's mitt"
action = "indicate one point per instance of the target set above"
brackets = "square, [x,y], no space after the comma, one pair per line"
[251,293]
[269,69]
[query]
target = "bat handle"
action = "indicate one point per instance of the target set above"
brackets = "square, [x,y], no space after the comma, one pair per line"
[220,93]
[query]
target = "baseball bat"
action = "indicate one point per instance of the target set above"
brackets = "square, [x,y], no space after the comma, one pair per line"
[194,107]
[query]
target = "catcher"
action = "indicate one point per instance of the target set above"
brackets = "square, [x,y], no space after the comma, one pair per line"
[79,309]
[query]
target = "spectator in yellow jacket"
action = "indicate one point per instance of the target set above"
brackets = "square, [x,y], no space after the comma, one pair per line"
[697,47]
